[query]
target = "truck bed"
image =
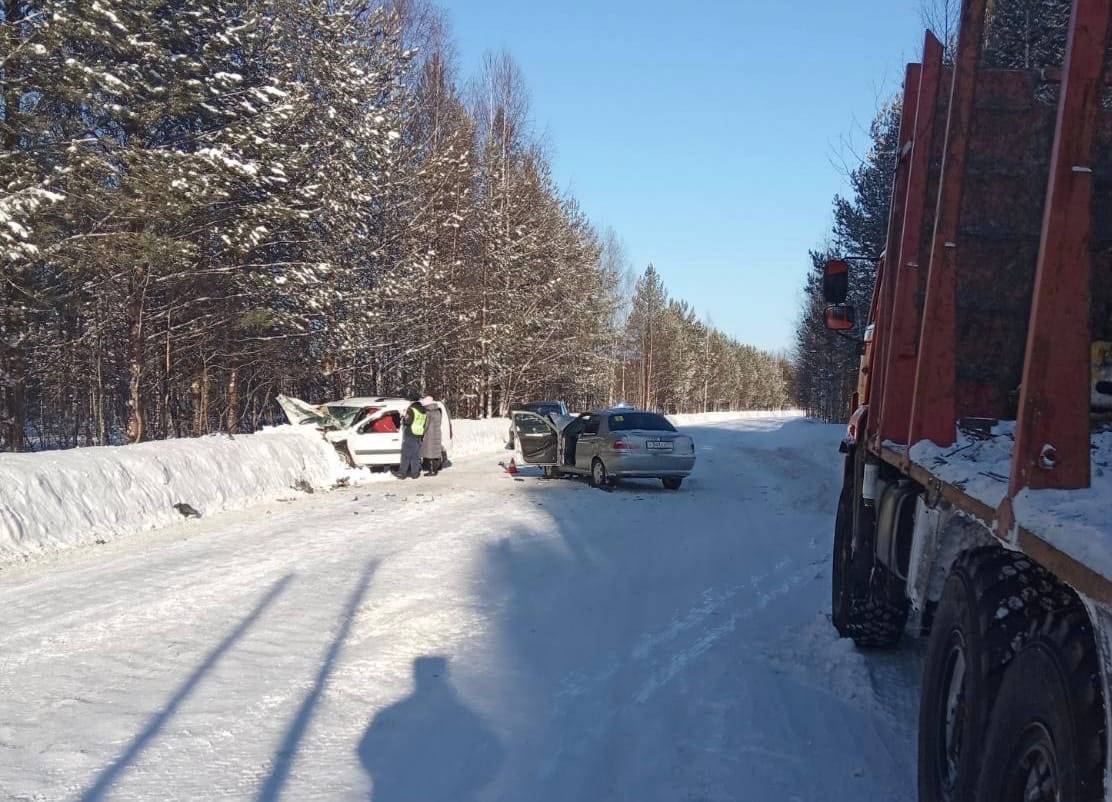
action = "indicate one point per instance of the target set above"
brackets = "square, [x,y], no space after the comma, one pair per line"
[1071,529]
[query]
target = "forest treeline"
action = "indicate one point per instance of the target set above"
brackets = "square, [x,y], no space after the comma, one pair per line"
[1019,34]
[206,203]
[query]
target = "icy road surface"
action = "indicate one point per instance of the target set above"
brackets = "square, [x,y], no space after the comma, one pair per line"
[468,637]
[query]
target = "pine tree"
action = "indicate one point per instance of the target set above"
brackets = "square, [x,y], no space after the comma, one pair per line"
[645,331]
[826,364]
[207,203]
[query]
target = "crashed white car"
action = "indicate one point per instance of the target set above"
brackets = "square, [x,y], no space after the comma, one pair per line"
[366,430]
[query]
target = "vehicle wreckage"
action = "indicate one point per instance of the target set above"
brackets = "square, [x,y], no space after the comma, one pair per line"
[365,431]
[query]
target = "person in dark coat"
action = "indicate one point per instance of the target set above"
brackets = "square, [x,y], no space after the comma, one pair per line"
[432,444]
[414,422]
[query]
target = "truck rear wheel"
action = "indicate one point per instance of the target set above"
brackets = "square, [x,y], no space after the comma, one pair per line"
[982,617]
[1046,738]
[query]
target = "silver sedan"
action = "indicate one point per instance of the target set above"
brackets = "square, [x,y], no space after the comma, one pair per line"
[607,445]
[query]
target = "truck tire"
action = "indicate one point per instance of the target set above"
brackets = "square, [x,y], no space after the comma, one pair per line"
[840,582]
[983,616]
[869,612]
[1046,736]
[878,620]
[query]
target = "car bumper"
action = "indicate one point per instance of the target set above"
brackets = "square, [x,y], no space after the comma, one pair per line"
[651,466]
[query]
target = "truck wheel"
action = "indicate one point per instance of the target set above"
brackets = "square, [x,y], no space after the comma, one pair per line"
[1045,741]
[841,593]
[672,482]
[866,611]
[980,620]
[878,621]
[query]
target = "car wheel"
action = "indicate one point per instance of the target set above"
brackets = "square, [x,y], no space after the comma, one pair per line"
[599,477]
[672,482]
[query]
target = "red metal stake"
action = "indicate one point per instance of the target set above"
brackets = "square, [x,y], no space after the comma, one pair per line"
[1052,433]
[903,334]
[891,263]
[934,409]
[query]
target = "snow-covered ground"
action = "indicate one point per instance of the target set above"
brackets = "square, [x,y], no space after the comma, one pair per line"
[468,637]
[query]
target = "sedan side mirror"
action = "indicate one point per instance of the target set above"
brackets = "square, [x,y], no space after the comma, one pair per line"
[841,317]
[835,281]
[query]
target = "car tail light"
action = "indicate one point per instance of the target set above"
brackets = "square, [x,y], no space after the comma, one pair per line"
[622,445]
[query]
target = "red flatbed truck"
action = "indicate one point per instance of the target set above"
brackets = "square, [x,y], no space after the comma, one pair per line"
[976,507]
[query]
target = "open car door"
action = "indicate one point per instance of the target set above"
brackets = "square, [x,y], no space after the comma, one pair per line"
[377,439]
[536,440]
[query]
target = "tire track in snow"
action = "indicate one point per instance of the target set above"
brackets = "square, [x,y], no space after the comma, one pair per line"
[685,657]
[711,602]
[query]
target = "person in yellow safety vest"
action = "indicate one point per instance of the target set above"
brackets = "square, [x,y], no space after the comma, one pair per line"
[414,423]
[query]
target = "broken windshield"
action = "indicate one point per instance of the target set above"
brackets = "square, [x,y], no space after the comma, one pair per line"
[347,416]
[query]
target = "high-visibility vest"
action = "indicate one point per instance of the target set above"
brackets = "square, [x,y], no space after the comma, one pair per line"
[420,422]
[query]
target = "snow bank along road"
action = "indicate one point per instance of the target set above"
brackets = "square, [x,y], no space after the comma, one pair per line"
[468,637]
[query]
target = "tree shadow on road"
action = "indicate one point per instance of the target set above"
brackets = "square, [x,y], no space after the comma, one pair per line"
[287,752]
[108,775]
[430,746]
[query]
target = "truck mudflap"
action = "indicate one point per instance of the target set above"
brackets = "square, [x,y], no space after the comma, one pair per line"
[941,535]
[854,428]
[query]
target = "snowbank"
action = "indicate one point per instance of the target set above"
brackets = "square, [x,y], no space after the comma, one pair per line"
[473,437]
[696,418]
[57,499]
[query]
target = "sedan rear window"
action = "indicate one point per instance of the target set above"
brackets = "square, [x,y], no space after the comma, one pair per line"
[647,421]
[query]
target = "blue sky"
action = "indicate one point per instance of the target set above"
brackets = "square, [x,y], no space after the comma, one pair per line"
[704,132]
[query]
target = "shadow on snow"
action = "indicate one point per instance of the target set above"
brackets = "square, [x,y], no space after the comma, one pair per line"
[287,751]
[429,746]
[117,767]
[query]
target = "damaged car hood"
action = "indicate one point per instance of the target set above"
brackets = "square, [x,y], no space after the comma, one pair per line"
[299,412]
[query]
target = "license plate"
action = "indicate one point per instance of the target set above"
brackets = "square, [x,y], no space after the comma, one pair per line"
[659,445]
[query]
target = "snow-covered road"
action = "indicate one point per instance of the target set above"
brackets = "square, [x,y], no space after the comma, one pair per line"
[468,637]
